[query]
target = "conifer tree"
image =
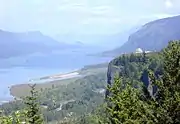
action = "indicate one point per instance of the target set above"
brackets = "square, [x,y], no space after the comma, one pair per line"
[168,94]
[33,112]
[126,107]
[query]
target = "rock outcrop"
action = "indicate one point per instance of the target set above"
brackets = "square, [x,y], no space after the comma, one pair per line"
[117,66]
[148,83]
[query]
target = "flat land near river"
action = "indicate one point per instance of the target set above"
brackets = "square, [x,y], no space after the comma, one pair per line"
[57,80]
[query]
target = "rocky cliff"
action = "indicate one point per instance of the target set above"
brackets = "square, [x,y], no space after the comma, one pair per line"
[134,67]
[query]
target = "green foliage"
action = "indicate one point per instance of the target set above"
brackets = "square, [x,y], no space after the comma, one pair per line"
[168,94]
[33,110]
[97,116]
[30,115]
[5,119]
[125,105]
[79,97]
[132,66]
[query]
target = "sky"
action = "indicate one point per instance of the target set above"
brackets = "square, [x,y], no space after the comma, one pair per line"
[82,16]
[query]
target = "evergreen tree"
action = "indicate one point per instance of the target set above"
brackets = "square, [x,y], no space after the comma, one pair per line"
[33,113]
[126,107]
[168,94]
[144,57]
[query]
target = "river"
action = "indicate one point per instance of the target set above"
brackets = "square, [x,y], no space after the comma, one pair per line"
[19,70]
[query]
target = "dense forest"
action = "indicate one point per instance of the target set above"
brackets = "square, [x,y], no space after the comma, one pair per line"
[142,88]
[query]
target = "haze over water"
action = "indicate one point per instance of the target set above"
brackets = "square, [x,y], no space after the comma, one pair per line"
[39,66]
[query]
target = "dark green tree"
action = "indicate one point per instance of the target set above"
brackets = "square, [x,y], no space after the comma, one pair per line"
[33,110]
[168,93]
[125,105]
[144,57]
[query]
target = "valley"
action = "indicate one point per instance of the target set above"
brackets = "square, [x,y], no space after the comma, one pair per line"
[84,84]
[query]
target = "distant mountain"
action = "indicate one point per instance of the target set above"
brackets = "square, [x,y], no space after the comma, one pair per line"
[16,44]
[152,36]
[37,37]
[101,40]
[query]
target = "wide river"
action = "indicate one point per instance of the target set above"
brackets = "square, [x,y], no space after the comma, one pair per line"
[19,70]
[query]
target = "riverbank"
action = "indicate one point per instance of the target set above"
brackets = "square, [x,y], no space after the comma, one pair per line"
[54,77]
[56,80]
[44,83]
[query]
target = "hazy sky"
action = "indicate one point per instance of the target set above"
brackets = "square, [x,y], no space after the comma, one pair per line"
[81,16]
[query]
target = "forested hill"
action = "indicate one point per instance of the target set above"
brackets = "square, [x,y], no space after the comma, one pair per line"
[134,67]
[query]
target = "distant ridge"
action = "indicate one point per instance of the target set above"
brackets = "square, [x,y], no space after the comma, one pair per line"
[17,44]
[152,36]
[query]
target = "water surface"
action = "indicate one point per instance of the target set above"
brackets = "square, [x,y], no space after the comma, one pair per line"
[20,70]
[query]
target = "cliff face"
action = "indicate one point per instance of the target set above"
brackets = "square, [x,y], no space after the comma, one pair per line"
[134,67]
[148,83]
[152,36]
[112,70]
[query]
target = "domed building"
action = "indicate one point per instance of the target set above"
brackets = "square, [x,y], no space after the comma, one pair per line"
[139,50]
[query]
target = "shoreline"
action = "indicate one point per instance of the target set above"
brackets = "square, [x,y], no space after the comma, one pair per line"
[61,76]
[46,79]
[53,80]
[49,81]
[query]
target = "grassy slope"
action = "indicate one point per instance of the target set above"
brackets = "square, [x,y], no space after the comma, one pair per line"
[24,89]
